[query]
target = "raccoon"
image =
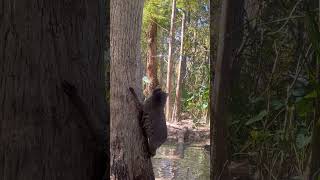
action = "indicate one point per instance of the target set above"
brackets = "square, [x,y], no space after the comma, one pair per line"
[152,119]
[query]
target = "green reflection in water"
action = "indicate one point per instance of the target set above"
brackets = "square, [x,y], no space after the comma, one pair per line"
[193,165]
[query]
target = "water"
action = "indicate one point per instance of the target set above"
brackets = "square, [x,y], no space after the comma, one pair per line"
[193,165]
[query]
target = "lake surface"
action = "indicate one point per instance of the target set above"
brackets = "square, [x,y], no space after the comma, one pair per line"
[193,164]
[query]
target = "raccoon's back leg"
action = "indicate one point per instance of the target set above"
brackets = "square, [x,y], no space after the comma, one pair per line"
[148,128]
[152,148]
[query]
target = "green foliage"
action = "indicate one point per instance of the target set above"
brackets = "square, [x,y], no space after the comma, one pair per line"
[272,106]
[158,11]
[257,118]
[314,34]
[303,139]
[195,93]
[196,101]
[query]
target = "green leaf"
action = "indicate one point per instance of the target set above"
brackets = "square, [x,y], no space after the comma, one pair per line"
[254,135]
[302,140]
[277,104]
[304,107]
[298,99]
[298,92]
[204,106]
[311,95]
[256,100]
[257,118]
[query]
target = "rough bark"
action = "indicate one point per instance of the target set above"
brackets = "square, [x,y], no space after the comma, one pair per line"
[227,47]
[43,43]
[238,43]
[215,12]
[219,146]
[152,64]
[170,62]
[128,155]
[181,73]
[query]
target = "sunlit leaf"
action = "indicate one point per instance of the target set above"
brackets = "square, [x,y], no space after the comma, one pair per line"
[204,106]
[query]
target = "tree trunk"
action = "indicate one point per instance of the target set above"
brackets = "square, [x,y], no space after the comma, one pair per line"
[43,43]
[181,144]
[181,72]
[128,154]
[170,63]
[151,57]
[227,46]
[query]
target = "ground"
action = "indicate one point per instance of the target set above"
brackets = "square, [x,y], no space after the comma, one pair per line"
[199,134]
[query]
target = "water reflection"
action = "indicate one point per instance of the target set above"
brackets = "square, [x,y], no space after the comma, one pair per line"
[192,164]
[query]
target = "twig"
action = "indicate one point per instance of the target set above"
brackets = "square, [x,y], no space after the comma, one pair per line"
[298,71]
[270,123]
[270,80]
[159,25]
[274,66]
[270,172]
[242,46]
[290,15]
[224,166]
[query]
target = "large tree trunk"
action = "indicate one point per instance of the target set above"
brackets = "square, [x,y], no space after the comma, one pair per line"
[128,155]
[227,46]
[151,57]
[219,144]
[170,62]
[43,43]
[181,73]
